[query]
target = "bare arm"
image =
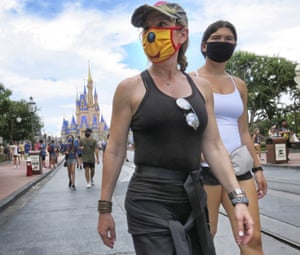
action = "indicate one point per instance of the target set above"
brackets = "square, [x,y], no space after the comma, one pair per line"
[218,159]
[126,101]
[116,147]
[247,140]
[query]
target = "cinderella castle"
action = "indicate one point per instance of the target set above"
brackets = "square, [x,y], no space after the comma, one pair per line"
[87,115]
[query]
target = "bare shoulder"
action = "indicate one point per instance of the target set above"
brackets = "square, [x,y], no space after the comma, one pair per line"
[130,92]
[202,84]
[241,85]
[129,86]
[130,83]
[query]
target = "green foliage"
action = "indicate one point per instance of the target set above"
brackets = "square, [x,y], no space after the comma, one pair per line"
[16,122]
[267,78]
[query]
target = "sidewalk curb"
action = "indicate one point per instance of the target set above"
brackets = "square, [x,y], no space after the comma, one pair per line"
[280,166]
[4,203]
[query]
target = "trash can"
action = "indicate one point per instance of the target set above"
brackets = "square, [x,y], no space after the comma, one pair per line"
[28,167]
[276,150]
[36,162]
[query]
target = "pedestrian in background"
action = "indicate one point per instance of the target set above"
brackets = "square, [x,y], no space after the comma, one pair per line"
[71,158]
[257,139]
[90,155]
[27,148]
[172,120]
[16,154]
[230,106]
[7,152]
[79,153]
[21,150]
[43,152]
[52,150]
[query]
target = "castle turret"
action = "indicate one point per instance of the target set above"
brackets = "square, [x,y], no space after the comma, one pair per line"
[87,113]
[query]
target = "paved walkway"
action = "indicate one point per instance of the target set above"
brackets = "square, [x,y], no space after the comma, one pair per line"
[14,182]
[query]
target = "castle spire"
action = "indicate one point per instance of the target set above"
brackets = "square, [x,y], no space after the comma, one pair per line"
[90,80]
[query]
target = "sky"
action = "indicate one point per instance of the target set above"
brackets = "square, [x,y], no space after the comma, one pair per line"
[47,46]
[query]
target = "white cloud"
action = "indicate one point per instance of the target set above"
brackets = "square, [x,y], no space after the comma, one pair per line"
[47,58]
[264,27]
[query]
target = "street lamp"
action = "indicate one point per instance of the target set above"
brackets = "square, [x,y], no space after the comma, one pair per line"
[32,109]
[18,120]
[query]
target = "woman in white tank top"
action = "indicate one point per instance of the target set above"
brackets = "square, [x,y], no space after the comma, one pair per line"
[230,106]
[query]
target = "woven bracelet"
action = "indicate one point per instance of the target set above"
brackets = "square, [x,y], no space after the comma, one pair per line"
[255,169]
[104,206]
[240,200]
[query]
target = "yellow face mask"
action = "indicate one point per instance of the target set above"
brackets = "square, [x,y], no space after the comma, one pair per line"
[158,43]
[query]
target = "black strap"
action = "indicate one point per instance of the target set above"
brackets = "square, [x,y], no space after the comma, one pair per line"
[197,197]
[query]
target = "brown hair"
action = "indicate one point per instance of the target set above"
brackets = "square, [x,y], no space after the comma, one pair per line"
[182,59]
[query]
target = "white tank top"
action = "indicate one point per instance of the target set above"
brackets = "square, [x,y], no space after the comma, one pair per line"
[228,109]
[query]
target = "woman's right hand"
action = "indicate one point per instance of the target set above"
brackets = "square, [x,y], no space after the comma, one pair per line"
[106,229]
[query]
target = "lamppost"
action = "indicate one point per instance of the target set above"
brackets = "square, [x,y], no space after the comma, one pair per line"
[32,109]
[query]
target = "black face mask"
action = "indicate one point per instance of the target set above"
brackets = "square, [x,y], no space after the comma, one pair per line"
[219,51]
[87,134]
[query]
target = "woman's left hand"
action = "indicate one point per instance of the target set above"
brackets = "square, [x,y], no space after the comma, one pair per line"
[245,224]
[262,185]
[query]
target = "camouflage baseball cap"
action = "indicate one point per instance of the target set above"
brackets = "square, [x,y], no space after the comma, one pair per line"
[172,10]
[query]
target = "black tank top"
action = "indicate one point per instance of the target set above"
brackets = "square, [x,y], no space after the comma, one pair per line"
[161,135]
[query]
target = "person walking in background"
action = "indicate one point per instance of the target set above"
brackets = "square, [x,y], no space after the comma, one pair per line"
[52,150]
[257,139]
[79,153]
[90,154]
[27,148]
[43,152]
[21,150]
[7,152]
[172,120]
[16,154]
[230,106]
[71,158]
[37,145]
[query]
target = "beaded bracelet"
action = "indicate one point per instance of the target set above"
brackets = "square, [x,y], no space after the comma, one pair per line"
[255,169]
[104,206]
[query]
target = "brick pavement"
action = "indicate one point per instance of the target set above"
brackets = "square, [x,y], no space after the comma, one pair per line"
[14,181]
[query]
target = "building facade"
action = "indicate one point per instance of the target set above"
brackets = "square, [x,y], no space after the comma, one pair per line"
[87,115]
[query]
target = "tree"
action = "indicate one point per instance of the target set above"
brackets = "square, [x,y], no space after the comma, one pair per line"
[266,78]
[16,122]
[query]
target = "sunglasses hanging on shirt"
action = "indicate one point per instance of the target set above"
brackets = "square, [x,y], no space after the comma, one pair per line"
[190,115]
